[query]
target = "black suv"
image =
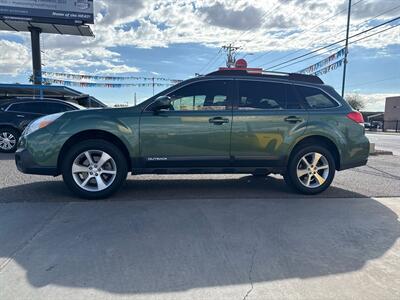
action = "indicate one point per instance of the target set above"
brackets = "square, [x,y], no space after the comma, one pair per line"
[17,113]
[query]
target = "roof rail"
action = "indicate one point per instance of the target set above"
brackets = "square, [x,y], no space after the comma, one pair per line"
[254,72]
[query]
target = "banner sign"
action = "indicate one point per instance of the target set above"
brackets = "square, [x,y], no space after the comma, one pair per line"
[107,78]
[313,69]
[329,68]
[102,85]
[67,12]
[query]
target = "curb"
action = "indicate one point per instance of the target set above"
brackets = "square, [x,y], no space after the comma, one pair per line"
[381,152]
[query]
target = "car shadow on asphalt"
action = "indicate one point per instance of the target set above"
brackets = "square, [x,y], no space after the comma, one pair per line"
[7,156]
[139,247]
[163,188]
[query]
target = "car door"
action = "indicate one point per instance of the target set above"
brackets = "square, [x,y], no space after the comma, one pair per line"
[22,113]
[194,132]
[267,118]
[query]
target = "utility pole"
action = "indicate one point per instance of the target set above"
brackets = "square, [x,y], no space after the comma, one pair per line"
[135,101]
[346,49]
[231,55]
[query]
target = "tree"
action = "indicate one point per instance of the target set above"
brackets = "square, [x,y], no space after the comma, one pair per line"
[355,101]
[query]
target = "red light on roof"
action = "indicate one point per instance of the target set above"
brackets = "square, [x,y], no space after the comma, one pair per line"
[241,63]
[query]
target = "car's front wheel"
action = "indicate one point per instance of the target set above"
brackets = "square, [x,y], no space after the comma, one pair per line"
[8,140]
[94,169]
[311,170]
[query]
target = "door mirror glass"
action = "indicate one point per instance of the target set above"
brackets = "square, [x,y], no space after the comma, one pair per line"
[162,102]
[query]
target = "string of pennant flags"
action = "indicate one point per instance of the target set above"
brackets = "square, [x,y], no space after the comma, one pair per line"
[329,68]
[106,78]
[325,63]
[102,85]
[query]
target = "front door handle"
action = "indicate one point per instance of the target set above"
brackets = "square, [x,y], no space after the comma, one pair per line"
[218,120]
[293,119]
[20,116]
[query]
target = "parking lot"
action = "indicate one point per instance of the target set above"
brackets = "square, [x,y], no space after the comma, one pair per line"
[202,237]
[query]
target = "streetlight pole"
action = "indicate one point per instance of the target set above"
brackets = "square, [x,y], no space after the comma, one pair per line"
[346,49]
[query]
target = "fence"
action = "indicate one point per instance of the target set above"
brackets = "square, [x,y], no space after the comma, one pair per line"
[385,126]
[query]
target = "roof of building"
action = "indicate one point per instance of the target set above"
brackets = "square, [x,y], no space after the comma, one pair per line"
[48,91]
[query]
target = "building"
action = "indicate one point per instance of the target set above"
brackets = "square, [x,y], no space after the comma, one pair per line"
[392,113]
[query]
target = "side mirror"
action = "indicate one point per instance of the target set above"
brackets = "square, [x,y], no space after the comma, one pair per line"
[162,102]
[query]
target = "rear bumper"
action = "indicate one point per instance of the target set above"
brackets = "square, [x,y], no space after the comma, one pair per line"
[353,165]
[26,164]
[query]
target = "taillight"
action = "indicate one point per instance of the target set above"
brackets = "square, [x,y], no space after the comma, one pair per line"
[356,116]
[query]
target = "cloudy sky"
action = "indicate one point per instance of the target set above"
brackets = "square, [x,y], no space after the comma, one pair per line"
[178,38]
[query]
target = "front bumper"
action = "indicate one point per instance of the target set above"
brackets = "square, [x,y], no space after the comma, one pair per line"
[26,164]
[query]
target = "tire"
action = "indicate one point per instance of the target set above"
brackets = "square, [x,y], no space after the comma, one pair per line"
[100,178]
[306,177]
[9,139]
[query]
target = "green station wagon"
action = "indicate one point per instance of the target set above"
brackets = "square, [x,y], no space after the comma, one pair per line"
[229,121]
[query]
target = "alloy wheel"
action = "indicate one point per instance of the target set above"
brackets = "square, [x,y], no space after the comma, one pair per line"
[94,170]
[7,141]
[313,170]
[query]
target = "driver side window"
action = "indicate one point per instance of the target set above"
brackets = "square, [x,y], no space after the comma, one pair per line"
[201,96]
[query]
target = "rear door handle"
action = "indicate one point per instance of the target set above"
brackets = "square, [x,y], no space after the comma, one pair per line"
[293,119]
[20,116]
[218,120]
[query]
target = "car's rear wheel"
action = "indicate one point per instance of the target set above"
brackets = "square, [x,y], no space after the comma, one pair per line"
[94,169]
[311,170]
[8,140]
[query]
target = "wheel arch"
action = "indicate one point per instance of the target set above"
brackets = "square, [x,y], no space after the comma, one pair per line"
[321,141]
[90,135]
[9,126]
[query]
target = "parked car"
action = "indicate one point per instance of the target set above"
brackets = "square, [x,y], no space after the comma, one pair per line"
[17,113]
[225,122]
[376,124]
[367,125]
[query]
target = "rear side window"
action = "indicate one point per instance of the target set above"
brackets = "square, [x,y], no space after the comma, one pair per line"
[254,95]
[316,99]
[52,108]
[27,107]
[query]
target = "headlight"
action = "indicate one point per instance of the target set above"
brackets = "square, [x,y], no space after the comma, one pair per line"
[41,123]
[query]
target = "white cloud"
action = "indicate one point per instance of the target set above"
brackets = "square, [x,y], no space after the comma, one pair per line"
[374,102]
[14,58]
[255,25]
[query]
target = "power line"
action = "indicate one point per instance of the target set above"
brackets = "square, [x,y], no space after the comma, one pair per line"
[335,43]
[308,58]
[305,31]
[357,25]
[376,81]
[350,43]
[212,60]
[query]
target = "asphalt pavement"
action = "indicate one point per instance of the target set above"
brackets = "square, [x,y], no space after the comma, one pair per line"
[202,237]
